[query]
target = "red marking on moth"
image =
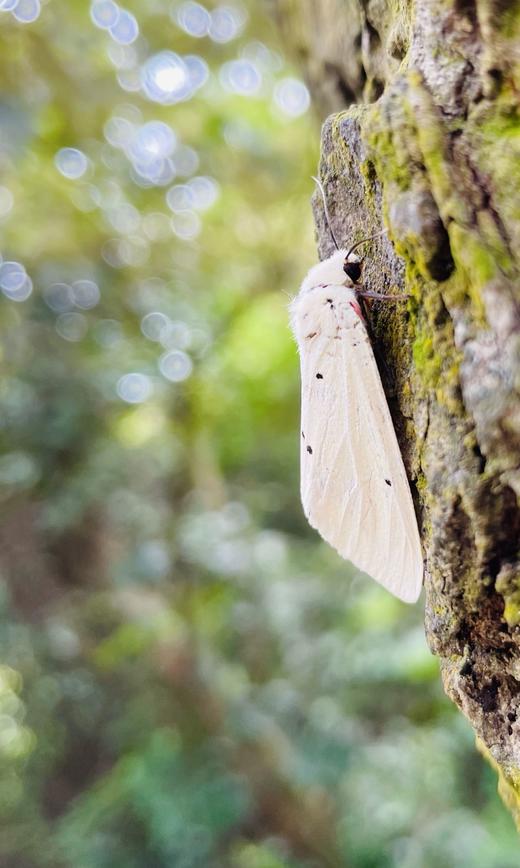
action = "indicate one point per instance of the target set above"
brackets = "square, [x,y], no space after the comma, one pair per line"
[355,306]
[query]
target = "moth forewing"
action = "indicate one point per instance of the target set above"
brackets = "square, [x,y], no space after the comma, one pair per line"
[354,486]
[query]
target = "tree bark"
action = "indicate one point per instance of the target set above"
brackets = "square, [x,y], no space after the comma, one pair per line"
[433,155]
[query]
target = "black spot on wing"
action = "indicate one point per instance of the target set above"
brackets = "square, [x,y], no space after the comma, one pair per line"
[309,450]
[388,482]
[319,376]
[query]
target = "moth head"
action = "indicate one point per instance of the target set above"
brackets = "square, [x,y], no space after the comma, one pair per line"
[328,271]
[353,268]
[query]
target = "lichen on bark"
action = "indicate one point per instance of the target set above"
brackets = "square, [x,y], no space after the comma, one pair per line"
[432,154]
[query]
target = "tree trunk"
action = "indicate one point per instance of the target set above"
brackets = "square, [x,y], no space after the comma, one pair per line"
[433,155]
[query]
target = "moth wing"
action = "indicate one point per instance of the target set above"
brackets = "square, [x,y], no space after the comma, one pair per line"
[354,487]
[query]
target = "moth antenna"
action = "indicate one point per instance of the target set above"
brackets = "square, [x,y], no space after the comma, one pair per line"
[363,241]
[326,210]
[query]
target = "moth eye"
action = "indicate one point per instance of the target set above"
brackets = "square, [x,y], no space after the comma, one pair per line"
[352,270]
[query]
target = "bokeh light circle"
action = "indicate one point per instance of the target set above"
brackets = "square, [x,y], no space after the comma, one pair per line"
[71,326]
[154,325]
[21,291]
[12,276]
[198,70]
[179,198]
[154,139]
[176,366]
[193,18]
[177,335]
[186,225]
[241,76]
[104,13]
[129,80]
[186,161]
[59,297]
[292,97]
[118,131]
[123,56]
[27,11]
[156,226]
[165,78]
[125,30]
[71,163]
[134,388]
[226,23]
[85,293]
[125,218]
[204,192]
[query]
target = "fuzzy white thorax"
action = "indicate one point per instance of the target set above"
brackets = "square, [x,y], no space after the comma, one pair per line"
[329,271]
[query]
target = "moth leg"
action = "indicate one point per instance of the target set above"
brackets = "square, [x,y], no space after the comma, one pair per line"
[367,293]
[381,361]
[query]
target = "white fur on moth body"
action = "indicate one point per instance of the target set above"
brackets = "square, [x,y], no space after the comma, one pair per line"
[354,487]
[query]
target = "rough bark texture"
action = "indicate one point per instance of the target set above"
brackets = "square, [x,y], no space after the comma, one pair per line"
[433,154]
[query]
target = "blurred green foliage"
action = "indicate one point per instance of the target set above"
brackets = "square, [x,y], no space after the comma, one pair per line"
[189,677]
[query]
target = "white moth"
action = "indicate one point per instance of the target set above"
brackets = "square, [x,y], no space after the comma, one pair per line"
[354,488]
